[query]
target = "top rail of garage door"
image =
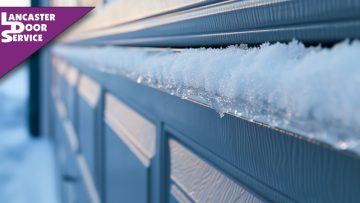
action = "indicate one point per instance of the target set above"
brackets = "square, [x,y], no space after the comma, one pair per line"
[214,23]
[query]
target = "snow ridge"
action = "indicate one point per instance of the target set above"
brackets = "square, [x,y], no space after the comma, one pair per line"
[312,91]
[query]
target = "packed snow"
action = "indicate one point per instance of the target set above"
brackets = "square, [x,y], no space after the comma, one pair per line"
[27,167]
[312,91]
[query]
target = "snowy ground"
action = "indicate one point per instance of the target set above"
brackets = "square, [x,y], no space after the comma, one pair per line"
[27,168]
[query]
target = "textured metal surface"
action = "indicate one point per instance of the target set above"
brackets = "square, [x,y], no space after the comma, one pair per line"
[89,90]
[233,22]
[126,177]
[79,172]
[86,129]
[118,12]
[278,166]
[201,181]
[72,76]
[135,131]
[76,173]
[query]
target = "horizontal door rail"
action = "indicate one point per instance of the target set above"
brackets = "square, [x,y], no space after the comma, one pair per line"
[233,22]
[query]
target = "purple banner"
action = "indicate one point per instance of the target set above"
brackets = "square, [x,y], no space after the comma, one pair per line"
[24,30]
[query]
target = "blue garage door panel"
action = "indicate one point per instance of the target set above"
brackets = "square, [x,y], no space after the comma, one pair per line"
[71,76]
[59,67]
[87,191]
[133,129]
[126,176]
[54,77]
[177,195]
[193,179]
[83,195]
[69,194]
[86,129]
[65,80]
[67,166]
[130,146]
[61,144]
[71,180]
[62,83]
[89,92]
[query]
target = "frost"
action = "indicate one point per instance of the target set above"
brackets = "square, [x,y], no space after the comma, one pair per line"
[311,91]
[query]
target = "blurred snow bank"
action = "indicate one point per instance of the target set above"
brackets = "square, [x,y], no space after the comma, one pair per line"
[310,91]
[14,95]
[27,172]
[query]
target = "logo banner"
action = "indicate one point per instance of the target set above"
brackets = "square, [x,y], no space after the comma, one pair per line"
[24,30]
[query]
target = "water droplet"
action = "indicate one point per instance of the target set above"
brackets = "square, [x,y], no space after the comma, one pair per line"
[139,79]
[343,145]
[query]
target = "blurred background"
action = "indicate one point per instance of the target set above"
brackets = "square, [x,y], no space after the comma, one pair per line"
[27,172]
[27,160]
[27,167]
